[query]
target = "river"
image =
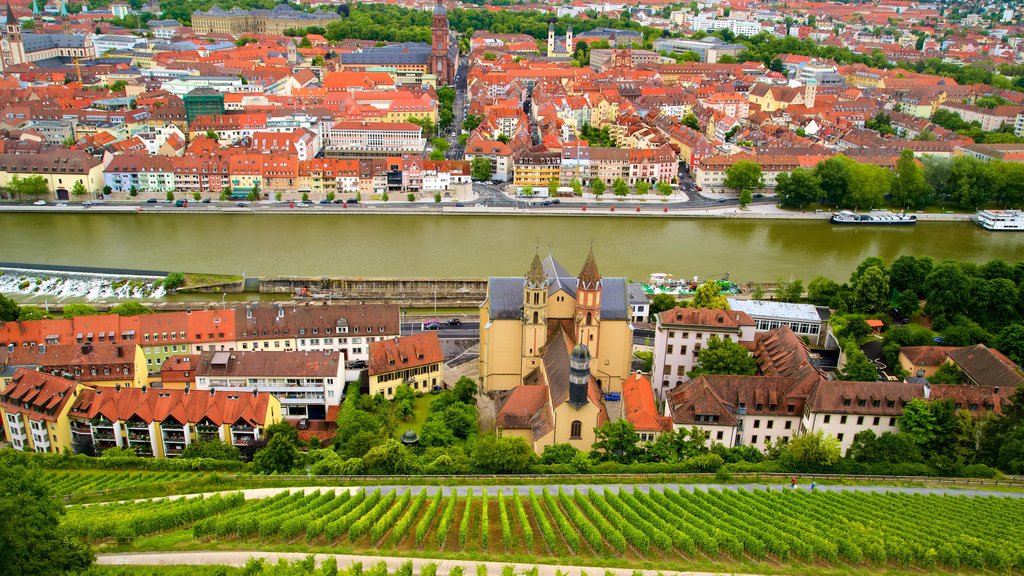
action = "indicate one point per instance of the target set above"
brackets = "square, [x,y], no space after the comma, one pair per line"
[394,245]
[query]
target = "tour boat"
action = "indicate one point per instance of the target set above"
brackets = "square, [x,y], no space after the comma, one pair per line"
[1009,220]
[875,218]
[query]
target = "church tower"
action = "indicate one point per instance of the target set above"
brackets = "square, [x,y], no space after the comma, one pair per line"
[441,37]
[535,317]
[588,305]
[12,51]
[551,38]
[293,53]
[65,18]
[568,41]
[579,376]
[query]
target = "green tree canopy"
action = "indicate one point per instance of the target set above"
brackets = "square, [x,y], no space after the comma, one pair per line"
[858,367]
[617,441]
[798,188]
[31,538]
[277,457]
[722,356]
[709,295]
[814,451]
[130,309]
[662,302]
[506,455]
[215,449]
[8,309]
[909,187]
[744,176]
[73,310]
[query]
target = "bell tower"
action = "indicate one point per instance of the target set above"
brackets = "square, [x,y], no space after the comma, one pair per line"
[535,317]
[12,51]
[440,39]
[588,305]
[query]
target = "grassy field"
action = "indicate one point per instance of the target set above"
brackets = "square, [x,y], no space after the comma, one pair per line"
[758,531]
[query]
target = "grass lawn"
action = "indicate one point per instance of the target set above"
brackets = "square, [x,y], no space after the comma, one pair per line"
[419,414]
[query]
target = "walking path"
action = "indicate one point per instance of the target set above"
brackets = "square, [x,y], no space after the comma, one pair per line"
[258,493]
[393,563]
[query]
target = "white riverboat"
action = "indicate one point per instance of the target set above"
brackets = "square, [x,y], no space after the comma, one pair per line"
[874,218]
[1000,220]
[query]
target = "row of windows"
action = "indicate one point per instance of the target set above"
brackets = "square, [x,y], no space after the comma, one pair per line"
[769,424]
[798,327]
[875,421]
[768,439]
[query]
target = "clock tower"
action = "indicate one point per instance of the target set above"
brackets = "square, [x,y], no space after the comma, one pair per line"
[12,51]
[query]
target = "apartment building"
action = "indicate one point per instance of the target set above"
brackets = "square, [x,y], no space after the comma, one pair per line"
[679,335]
[306,383]
[161,423]
[35,408]
[370,139]
[414,360]
[99,364]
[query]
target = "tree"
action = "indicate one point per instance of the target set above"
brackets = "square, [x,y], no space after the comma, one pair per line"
[130,309]
[410,197]
[814,451]
[918,422]
[212,135]
[480,168]
[460,419]
[744,177]
[691,121]
[834,175]
[619,187]
[909,188]
[662,302]
[617,441]
[858,367]
[170,196]
[597,186]
[254,194]
[437,154]
[33,313]
[948,373]
[32,540]
[389,457]
[214,449]
[871,291]
[868,186]
[791,291]
[946,289]
[8,309]
[559,454]
[908,303]
[277,457]
[909,272]
[1010,342]
[435,433]
[33,186]
[73,310]
[553,187]
[709,295]
[798,188]
[822,290]
[78,189]
[642,188]
[664,188]
[464,391]
[197,196]
[507,455]
[722,356]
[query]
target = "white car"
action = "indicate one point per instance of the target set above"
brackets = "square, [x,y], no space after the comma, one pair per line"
[61,205]
[39,203]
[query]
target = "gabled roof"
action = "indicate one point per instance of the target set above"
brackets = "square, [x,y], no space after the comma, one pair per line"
[639,407]
[182,406]
[393,354]
[986,367]
[40,396]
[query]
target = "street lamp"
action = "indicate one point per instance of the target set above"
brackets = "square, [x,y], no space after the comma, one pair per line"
[435,302]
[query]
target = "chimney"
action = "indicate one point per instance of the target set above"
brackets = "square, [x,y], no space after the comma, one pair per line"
[143,388]
[255,392]
[212,391]
[117,387]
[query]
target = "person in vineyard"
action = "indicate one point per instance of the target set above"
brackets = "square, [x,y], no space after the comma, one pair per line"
[813,484]
[793,482]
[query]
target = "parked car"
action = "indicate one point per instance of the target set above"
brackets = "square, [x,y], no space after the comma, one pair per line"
[206,200]
[324,202]
[242,204]
[458,204]
[150,201]
[339,201]
[351,201]
[39,203]
[302,205]
[556,201]
[355,364]
[758,195]
[455,322]
[613,396]
[303,424]
[61,204]
[181,203]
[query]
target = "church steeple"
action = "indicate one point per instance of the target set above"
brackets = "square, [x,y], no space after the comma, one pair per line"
[535,313]
[590,278]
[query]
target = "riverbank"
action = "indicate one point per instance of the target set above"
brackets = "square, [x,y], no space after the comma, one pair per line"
[610,208]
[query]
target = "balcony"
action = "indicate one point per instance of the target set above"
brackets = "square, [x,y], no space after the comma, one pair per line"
[175,437]
[101,434]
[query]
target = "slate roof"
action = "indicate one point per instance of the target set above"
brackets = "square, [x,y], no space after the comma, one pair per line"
[37,42]
[406,53]
[985,367]
[505,294]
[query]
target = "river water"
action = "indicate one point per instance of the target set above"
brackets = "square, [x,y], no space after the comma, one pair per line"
[394,245]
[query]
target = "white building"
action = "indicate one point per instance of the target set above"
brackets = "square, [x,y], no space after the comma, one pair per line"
[842,409]
[806,320]
[374,139]
[682,332]
[306,383]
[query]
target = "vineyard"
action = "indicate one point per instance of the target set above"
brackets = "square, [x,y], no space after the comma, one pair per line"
[851,528]
[79,481]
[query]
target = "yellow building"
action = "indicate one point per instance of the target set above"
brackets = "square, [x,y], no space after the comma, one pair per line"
[60,168]
[416,361]
[528,327]
[35,409]
[536,168]
[271,22]
[161,423]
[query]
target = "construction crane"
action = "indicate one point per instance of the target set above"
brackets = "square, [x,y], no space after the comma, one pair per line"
[78,68]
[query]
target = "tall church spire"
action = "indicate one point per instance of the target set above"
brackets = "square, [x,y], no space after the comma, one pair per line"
[536,277]
[11,18]
[589,275]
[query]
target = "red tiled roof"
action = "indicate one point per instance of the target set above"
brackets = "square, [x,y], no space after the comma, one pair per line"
[405,352]
[39,395]
[639,407]
[158,405]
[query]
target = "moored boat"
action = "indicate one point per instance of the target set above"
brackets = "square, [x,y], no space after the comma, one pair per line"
[874,218]
[1000,220]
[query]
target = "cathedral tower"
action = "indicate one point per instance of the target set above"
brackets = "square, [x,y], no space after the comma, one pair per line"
[588,305]
[12,50]
[535,317]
